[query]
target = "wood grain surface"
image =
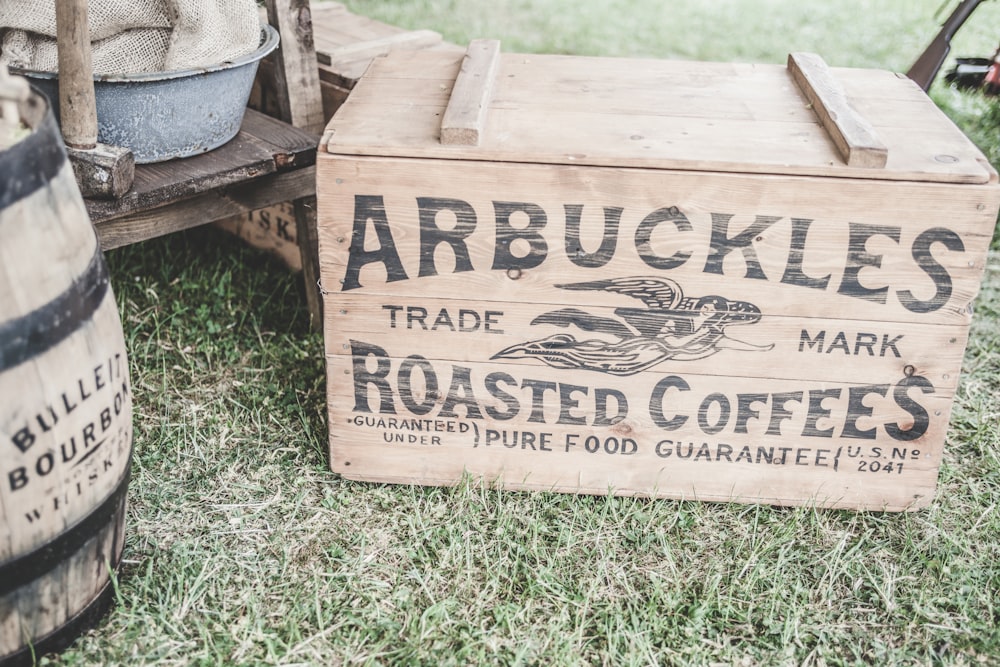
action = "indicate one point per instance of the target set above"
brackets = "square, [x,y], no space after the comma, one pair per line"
[721,309]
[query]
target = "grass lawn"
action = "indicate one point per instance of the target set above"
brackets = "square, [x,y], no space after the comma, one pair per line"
[243,549]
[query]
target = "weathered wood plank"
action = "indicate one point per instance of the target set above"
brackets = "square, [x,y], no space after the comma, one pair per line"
[464,119]
[675,436]
[244,158]
[856,139]
[822,348]
[206,207]
[738,118]
[848,249]
[379,46]
[295,65]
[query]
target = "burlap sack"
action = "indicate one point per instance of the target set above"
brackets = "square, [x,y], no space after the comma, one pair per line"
[130,36]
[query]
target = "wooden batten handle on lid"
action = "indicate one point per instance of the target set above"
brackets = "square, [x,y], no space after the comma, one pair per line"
[464,120]
[856,139]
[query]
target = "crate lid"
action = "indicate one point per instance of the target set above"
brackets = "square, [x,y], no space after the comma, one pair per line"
[803,119]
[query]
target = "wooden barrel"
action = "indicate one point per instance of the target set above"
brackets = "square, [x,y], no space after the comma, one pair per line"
[65,403]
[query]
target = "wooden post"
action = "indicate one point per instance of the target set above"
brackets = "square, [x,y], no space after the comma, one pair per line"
[297,73]
[300,103]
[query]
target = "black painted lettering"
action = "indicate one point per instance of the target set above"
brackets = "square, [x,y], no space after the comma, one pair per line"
[867,341]
[723,244]
[538,247]
[283,230]
[805,340]
[656,403]
[405,382]
[793,270]
[601,415]
[817,412]
[839,342]
[745,411]
[379,378]
[88,435]
[468,320]
[779,412]
[461,393]
[418,315]
[921,420]
[859,258]
[105,419]
[567,403]
[490,321]
[644,236]
[372,208]
[45,463]
[443,321]
[725,410]
[431,236]
[510,402]
[856,409]
[392,314]
[888,344]
[939,275]
[609,240]
[18,478]
[23,439]
[41,420]
[538,389]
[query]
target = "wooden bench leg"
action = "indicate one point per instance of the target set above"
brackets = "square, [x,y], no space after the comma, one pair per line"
[305,232]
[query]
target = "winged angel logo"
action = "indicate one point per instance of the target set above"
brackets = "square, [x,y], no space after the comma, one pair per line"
[671,326]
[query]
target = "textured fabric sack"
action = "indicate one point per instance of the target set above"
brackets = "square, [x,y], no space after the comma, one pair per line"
[130,36]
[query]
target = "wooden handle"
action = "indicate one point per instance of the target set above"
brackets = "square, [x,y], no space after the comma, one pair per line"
[854,136]
[464,119]
[77,105]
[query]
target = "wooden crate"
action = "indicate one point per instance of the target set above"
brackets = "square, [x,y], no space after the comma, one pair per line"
[724,282]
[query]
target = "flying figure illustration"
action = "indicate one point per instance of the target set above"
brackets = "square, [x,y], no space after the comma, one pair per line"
[671,326]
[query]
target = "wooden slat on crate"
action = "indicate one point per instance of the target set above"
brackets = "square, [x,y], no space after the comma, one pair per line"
[855,137]
[464,119]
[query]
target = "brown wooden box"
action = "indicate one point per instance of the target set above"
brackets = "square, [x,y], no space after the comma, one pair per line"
[710,281]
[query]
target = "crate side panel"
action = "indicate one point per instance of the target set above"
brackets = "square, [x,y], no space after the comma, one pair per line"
[722,337]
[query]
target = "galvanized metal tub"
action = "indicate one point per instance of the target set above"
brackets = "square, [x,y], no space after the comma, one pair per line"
[166,115]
